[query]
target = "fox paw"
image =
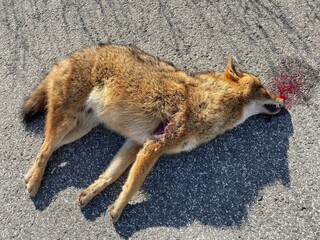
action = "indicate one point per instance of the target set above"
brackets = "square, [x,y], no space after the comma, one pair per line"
[83,198]
[113,213]
[31,183]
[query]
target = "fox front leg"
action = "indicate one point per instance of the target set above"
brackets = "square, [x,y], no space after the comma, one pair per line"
[146,158]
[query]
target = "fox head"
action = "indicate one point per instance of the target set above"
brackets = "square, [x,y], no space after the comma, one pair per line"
[255,96]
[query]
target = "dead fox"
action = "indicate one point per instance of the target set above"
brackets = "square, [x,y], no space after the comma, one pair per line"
[158,108]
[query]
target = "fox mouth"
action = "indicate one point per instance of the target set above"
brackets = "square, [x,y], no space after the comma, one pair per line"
[273,108]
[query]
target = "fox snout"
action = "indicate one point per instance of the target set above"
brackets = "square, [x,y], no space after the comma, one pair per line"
[274,105]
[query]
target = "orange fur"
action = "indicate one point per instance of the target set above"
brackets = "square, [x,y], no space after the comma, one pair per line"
[157,107]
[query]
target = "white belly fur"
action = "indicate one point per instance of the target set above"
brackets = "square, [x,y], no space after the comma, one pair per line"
[116,119]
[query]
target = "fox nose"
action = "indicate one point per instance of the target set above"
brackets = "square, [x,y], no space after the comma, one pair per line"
[281,102]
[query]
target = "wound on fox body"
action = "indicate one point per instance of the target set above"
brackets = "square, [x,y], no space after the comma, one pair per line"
[160,129]
[163,129]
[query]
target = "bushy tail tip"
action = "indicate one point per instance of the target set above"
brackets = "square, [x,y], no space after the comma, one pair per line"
[35,104]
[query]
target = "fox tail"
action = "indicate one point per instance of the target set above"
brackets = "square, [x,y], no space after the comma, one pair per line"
[36,103]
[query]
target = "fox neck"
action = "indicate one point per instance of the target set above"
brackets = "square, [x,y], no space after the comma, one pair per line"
[217,97]
[248,111]
[218,106]
[230,96]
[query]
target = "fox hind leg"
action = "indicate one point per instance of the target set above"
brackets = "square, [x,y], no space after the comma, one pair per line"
[56,127]
[86,121]
[122,160]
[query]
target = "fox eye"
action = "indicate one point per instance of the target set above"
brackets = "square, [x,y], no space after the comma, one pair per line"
[261,91]
[258,88]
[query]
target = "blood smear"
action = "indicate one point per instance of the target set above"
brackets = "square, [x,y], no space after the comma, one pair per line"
[289,88]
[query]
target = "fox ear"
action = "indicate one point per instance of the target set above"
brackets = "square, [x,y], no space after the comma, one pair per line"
[232,68]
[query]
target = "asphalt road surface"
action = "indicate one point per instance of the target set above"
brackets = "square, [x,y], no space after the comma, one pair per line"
[258,181]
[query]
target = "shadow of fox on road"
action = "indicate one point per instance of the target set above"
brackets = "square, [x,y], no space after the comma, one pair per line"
[215,183]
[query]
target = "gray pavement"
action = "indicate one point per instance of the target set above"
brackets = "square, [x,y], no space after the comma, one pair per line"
[258,181]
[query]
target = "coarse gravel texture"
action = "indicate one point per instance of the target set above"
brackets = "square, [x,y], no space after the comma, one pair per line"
[258,181]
